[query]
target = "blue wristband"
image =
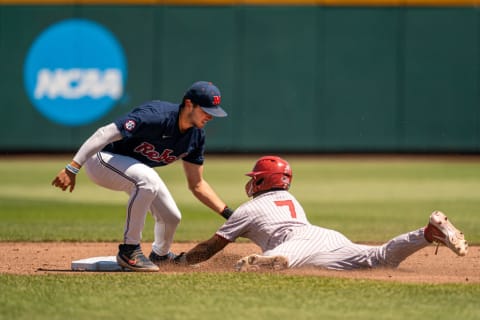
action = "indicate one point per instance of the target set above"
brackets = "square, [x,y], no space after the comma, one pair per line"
[72,169]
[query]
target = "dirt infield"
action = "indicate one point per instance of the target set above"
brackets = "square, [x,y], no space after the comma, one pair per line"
[55,258]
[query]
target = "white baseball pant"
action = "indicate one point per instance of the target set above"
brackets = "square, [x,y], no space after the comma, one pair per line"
[320,247]
[147,192]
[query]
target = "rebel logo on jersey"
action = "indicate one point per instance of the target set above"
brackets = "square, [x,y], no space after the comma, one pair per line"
[148,150]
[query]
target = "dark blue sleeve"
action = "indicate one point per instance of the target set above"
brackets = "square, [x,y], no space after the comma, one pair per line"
[137,122]
[197,156]
[129,124]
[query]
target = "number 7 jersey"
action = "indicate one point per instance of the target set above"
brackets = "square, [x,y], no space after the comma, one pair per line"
[266,220]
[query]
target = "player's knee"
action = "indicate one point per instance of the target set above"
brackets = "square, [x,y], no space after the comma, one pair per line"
[151,184]
[175,218]
[170,216]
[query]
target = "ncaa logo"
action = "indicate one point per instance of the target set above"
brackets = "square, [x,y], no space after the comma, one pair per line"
[75,72]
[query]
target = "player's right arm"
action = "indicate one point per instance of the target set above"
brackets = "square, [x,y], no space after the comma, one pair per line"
[204,250]
[232,229]
[66,177]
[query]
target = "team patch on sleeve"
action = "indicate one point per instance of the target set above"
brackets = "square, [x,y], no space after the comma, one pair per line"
[129,125]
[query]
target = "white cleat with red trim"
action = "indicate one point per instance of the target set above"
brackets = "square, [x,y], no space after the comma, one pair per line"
[441,230]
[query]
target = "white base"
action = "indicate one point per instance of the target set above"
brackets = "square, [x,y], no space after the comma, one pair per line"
[96,264]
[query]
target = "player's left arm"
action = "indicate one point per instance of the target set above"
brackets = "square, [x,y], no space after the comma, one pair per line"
[203,191]
[203,251]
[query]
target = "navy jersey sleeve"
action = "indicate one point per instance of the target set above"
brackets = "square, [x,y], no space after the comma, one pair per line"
[136,122]
[196,156]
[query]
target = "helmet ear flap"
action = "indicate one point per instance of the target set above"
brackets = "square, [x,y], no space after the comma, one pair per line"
[259,181]
[250,187]
[286,180]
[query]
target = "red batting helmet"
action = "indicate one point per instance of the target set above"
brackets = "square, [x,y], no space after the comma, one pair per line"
[269,172]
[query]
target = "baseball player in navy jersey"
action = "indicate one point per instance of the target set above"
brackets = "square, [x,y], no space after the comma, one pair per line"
[277,223]
[121,155]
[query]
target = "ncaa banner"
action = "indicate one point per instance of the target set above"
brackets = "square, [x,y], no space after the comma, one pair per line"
[75,72]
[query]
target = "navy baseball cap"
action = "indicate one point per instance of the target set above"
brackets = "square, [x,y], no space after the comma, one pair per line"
[207,96]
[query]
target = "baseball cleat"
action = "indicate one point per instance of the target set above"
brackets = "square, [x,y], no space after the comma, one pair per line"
[131,257]
[441,230]
[256,262]
[161,260]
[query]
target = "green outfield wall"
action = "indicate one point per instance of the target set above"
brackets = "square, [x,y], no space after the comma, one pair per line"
[296,76]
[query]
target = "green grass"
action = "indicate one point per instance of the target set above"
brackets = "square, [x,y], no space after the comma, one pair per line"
[367,200]
[228,296]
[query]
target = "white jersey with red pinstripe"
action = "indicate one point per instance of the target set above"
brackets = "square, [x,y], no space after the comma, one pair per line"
[277,223]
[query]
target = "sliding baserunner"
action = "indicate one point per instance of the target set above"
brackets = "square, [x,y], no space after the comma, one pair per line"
[277,223]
